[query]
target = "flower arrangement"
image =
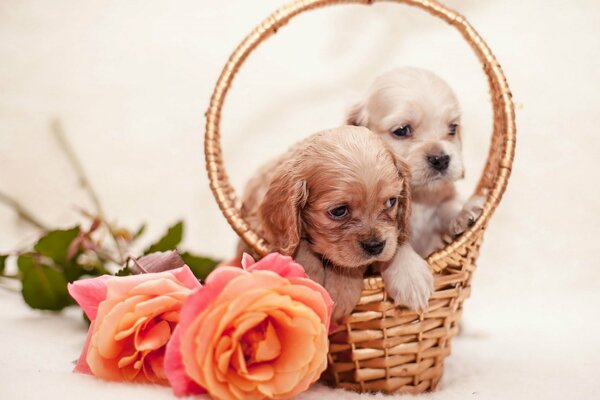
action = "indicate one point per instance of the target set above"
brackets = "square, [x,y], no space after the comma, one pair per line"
[259,331]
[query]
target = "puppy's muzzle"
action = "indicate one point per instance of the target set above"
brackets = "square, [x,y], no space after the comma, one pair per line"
[373,247]
[439,162]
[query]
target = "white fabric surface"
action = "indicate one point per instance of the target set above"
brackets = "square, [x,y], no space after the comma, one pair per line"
[130,80]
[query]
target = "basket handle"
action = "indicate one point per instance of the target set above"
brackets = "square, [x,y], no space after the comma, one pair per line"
[497,170]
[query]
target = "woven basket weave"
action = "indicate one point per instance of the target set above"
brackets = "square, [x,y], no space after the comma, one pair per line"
[380,347]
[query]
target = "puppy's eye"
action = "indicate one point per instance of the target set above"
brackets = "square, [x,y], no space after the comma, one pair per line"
[403,132]
[390,202]
[338,212]
[452,129]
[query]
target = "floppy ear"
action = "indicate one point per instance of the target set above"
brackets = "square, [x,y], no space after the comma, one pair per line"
[357,115]
[280,210]
[404,201]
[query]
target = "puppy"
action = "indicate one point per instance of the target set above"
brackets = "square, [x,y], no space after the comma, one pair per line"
[417,114]
[338,202]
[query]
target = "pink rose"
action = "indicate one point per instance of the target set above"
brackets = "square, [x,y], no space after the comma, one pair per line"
[258,332]
[132,319]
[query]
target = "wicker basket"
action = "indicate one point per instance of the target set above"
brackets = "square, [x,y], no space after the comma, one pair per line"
[380,347]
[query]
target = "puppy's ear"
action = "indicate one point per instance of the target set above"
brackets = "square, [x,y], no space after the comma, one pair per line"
[404,201]
[357,115]
[280,210]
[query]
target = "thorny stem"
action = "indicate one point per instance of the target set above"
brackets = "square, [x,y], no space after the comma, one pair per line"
[21,211]
[61,137]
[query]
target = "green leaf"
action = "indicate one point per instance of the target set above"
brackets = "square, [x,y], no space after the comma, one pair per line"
[200,266]
[55,244]
[44,288]
[169,241]
[2,263]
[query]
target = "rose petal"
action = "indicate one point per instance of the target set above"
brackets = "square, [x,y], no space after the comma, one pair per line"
[155,361]
[186,277]
[238,361]
[88,293]
[155,306]
[82,366]
[171,316]
[316,367]
[247,261]
[286,381]
[282,265]
[203,296]
[316,297]
[120,287]
[252,286]
[156,287]
[297,339]
[179,380]
[270,347]
[107,327]
[120,335]
[240,382]
[154,338]
[260,373]
[102,367]
[246,322]
[223,352]
[128,360]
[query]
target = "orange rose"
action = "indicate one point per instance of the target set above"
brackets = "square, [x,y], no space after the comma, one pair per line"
[253,333]
[132,319]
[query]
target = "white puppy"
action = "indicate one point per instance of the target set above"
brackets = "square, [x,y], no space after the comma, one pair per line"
[418,115]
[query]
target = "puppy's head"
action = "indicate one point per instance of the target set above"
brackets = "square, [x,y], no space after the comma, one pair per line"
[343,192]
[418,115]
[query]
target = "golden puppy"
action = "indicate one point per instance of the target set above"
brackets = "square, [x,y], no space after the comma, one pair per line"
[338,203]
[417,114]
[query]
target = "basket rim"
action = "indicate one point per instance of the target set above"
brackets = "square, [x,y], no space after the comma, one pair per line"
[504,130]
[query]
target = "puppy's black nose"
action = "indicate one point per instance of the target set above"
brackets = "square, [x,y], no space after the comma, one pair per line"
[373,247]
[439,162]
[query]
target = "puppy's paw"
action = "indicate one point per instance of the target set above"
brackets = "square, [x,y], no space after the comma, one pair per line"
[408,280]
[467,217]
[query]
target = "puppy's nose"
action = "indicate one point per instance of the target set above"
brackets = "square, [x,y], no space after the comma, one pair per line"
[373,247]
[439,162]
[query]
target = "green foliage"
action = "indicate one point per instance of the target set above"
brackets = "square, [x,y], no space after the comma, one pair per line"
[43,287]
[55,244]
[62,256]
[2,262]
[200,266]
[169,241]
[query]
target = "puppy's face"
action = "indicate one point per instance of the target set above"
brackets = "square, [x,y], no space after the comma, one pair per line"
[418,115]
[355,203]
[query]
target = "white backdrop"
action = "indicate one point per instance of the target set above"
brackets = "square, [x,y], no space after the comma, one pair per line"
[130,81]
